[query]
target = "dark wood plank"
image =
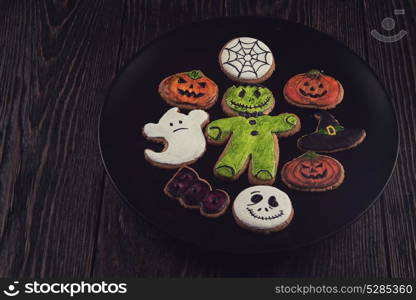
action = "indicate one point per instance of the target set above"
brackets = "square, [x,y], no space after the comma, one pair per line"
[55,57]
[395,63]
[128,246]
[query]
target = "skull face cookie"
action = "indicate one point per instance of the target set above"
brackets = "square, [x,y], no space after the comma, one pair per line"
[182,135]
[263,209]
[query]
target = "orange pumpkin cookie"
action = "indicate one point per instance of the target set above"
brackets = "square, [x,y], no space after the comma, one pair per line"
[313,89]
[189,90]
[313,172]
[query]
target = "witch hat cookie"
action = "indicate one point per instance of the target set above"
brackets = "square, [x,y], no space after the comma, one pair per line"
[330,136]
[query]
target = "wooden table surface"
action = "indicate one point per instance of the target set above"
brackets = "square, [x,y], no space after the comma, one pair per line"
[60,215]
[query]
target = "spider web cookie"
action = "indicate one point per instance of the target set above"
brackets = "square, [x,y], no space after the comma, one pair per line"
[247,60]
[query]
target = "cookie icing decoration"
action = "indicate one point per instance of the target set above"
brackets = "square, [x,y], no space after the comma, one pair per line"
[313,173]
[195,193]
[247,59]
[182,135]
[189,90]
[313,89]
[247,100]
[251,136]
[330,136]
[263,209]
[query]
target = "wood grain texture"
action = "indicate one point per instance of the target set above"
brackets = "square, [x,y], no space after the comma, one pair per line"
[55,56]
[59,213]
[395,63]
[136,249]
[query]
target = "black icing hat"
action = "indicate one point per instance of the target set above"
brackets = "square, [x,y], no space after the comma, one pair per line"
[330,136]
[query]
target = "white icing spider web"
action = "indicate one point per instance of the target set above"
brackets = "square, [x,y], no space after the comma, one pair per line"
[247,57]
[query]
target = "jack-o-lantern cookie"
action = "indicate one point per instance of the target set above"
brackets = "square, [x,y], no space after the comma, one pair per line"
[330,136]
[195,193]
[189,90]
[182,136]
[251,134]
[246,59]
[313,89]
[263,209]
[312,172]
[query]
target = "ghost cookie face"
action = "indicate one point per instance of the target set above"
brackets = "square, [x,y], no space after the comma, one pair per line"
[189,90]
[246,59]
[263,209]
[182,136]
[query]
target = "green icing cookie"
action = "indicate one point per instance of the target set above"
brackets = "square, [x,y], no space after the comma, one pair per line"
[248,99]
[252,142]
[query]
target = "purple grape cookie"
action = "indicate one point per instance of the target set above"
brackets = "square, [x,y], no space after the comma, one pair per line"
[195,193]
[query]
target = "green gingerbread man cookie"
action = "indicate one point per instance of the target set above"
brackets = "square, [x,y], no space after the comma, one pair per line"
[251,134]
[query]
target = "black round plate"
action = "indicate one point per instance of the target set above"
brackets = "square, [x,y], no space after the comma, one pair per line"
[133,101]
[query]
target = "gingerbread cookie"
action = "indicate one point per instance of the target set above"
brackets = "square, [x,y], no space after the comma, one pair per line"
[182,135]
[330,136]
[246,59]
[193,192]
[312,172]
[263,209]
[189,90]
[313,89]
[251,136]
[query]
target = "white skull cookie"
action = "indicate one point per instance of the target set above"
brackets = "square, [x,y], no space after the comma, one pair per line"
[263,208]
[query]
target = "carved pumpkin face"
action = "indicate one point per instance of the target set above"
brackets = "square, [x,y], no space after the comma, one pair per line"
[313,172]
[313,169]
[313,89]
[190,88]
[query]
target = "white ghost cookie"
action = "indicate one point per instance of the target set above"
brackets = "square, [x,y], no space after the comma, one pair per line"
[246,59]
[263,208]
[182,135]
